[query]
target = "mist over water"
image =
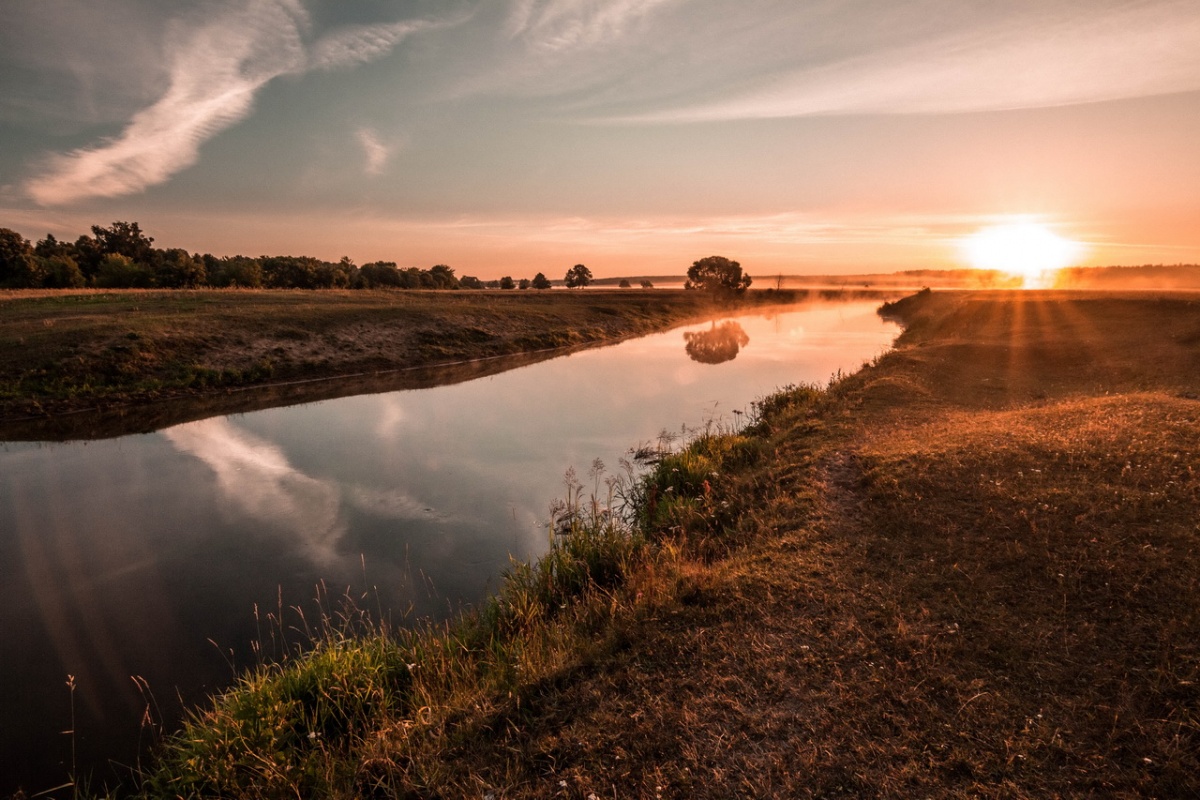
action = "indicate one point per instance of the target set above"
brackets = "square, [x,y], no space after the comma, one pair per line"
[137,564]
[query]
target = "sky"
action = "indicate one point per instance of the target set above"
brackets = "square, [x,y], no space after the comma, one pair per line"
[508,137]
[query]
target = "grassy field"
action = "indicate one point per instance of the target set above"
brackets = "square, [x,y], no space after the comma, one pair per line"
[968,570]
[67,351]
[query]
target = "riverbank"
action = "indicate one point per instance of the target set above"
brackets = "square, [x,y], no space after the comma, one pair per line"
[99,354]
[968,570]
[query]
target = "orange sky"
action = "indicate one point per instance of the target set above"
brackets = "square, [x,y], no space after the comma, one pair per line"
[529,135]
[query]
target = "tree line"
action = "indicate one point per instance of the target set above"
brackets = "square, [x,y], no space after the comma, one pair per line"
[122,256]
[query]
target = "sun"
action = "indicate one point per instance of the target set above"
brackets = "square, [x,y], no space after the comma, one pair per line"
[1022,248]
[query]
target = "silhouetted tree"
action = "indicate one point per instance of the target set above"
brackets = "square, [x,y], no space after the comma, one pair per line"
[118,271]
[507,282]
[540,281]
[523,284]
[51,247]
[88,255]
[235,271]
[290,272]
[470,282]
[718,276]
[379,274]
[176,269]
[624,284]
[18,264]
[125,239]
[442,277]
[647,285]
[578,275]
[60,272]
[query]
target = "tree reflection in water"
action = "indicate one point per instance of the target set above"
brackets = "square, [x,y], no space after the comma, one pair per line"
[718,344]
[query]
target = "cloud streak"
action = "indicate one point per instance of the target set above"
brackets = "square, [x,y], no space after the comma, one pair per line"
[217,68]
[559,25]
[374,150]
[1027,59]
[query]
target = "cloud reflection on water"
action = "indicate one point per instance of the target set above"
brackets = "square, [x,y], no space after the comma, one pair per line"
[259,482]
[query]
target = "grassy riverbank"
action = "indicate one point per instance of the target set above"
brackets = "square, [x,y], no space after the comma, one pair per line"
[968,570]
[67,351]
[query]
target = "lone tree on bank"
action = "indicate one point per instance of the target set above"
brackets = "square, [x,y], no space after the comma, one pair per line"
[718,276]
[540,282]
[578,275]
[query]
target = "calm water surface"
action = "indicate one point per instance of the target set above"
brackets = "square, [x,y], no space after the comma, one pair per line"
[146,555]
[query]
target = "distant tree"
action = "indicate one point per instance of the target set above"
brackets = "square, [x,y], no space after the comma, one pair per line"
[507,282]
[523,284]
[379,274]
[122,272]
[212,265]
[51,247]
[493,284]
[176,269]
[236,271]
[624,284]
[647,285]
[88,255]
[415,278]
[125,239]
[540,282]
[443,277]
[328,275]
[60,272]
[18,264]
[717,275]
[290,272]
[470,282]
[578,275]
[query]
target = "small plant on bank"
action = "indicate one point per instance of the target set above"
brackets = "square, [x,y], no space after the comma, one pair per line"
[289,728]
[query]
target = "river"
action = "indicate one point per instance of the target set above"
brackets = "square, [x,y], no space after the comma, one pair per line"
[137,564]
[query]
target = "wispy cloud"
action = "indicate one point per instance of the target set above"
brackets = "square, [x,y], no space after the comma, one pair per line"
[217,67]
[1027,58]
[375,151]
[358,44]
[558,25]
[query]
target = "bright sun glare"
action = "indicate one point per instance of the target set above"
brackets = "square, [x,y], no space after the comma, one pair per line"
[1026,249]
